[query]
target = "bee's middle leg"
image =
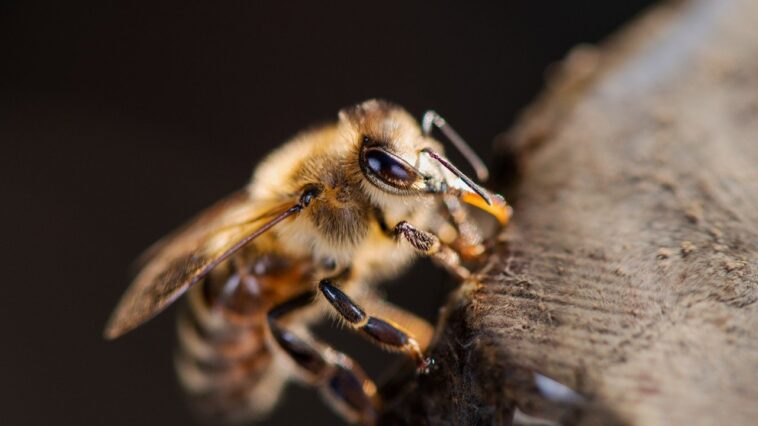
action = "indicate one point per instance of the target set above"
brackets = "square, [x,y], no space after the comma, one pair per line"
[384,332]
[342,382]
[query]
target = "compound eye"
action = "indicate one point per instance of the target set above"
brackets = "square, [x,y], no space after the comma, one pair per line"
[389,168]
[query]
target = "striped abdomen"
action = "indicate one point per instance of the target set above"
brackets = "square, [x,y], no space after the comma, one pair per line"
[223,360]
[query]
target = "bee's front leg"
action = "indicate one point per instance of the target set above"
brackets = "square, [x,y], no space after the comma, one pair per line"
[341,381]
[468,240]
[430,245]
[387,334]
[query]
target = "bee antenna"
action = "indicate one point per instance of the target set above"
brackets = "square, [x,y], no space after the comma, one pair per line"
[448,165]
[431,118]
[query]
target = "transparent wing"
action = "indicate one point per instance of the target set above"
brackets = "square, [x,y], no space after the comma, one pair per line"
[174,264]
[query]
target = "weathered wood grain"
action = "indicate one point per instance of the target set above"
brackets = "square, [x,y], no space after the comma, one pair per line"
[630,272]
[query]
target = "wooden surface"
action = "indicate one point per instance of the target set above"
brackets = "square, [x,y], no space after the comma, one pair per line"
[630,272]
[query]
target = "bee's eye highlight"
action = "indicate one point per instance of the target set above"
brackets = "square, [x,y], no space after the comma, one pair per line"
[389,168]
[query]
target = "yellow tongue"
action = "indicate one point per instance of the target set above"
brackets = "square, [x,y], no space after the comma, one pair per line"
[499,209]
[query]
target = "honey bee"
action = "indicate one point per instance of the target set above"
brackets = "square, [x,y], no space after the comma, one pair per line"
[326,217]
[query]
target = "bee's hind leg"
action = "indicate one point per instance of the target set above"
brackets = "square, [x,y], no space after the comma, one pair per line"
[341,381]
[384,332]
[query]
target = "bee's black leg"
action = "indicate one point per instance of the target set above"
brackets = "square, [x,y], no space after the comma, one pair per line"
[430,245]
[384,332]
[420,329]
[341,381]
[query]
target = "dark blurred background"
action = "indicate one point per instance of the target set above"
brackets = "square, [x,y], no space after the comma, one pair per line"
[118,121]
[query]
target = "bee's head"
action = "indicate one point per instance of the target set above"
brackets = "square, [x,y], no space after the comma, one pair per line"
[389,143]
[397,159]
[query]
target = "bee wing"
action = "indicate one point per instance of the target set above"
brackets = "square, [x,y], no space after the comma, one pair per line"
[174,264]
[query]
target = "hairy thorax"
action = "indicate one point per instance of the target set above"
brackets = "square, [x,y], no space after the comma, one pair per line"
[336,222]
